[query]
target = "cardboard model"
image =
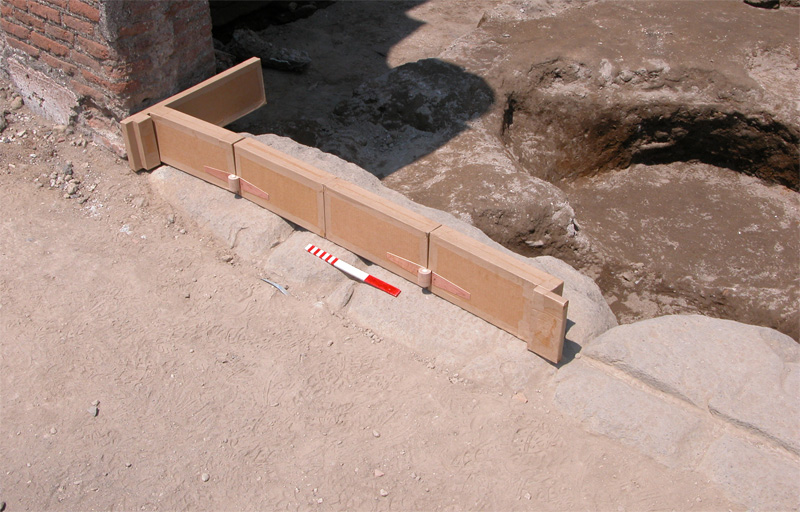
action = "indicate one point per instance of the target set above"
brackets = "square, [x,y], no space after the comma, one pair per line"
[186,131]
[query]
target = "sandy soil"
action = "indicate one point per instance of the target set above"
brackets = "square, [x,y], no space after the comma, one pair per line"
[144,367]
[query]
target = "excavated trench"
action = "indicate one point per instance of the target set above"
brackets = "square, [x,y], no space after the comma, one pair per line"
[682,204]
[686,208]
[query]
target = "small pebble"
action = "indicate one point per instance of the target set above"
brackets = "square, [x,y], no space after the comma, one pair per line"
[187,295]
[94,411]
[379,473]
[17,103]
[330,343]
[205,477]
[376,433]
[171,218]
[53,430]
[128,464]
[227,258]
[384,492]
[95,402]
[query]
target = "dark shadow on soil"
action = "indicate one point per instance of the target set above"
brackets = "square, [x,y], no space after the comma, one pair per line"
[349,101]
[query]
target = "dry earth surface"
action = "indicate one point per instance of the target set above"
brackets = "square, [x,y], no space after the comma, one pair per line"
[146,367]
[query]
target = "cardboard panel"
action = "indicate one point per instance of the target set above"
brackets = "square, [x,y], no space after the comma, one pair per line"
[371,227]
[295,192]
[140,141]
[220,100]
[190,144]
[225,97]
[502,290]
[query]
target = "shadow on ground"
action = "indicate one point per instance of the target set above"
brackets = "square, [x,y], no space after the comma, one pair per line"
[349,101]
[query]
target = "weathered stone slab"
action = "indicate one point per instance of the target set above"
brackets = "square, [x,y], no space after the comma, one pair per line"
[753,475]
[249,229]
[746,374]
[293,265]
[670,433]
[698,393]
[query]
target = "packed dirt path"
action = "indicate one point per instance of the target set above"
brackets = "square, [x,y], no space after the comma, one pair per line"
[146,367]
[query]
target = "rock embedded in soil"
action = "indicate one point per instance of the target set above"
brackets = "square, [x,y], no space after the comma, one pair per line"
[247,43]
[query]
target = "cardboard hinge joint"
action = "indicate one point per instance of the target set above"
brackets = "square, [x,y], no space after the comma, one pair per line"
[427,278]
[236,184]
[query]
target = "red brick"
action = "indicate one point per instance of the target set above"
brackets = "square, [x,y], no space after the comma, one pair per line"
[96,50]
[58,3]
[59,33]
[129,70]
[92,77]
[85,90]
[84,60]
[116,88]
[85,10]
[124,88]
[22,17]
[44,12]
[15,30]
[19,4]
[53,62]
[30,50]
[135,29]
[139,8]
[83,27]
[48,44]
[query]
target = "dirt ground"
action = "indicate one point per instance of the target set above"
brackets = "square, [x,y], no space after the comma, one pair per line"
[689,237]
[144,367]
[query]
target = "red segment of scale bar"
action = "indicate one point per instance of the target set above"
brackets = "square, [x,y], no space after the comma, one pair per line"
[353,271]
[382,285]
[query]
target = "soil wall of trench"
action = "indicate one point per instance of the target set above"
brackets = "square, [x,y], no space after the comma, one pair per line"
[652,145]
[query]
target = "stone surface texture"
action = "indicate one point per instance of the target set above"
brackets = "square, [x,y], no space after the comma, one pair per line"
[699,393]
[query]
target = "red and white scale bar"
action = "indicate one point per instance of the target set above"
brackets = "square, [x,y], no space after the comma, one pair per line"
[352,271]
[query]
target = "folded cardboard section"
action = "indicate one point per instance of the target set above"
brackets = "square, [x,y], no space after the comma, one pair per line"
[191,145]
[513,296]
[219,100]
[374,227]
[184,131]
[225,97]
[295,192]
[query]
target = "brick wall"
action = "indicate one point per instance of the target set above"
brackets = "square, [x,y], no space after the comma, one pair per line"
[92,62]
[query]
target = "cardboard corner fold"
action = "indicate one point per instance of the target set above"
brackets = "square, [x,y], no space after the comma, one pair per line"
[219,100]
[191,144]
[140,142]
